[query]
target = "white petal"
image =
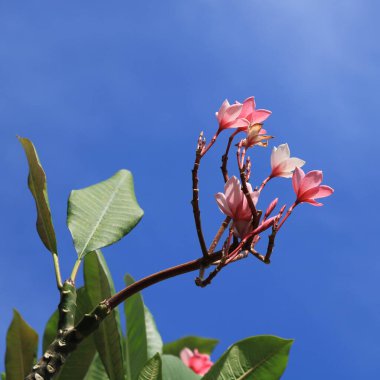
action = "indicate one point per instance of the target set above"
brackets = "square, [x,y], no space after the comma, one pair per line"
[282,153]
[290,164]
[185,355]
[223,205]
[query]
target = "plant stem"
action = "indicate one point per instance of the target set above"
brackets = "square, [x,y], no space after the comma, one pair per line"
[75,270]
[195,202]
[67,340]
[57,271]
[145,282]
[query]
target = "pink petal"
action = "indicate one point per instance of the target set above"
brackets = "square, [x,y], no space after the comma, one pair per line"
[309,194]
[313,202]
[259,116]
[242,227]
[324,191]
[255,196]
[231,186]
[248,107]
[279,155]
[285,168]
[185,355]
[311,180]
[297,178]
[230,115]
[223,204]
[222,110]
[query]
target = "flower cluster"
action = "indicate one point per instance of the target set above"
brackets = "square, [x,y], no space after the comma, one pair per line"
[239,200]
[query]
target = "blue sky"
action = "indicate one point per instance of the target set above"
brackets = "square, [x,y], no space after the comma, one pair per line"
[99,87]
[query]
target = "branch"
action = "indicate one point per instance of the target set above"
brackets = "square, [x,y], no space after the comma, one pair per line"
[226,246]
[67,341]
[225,156]
[195,200]
[219,234]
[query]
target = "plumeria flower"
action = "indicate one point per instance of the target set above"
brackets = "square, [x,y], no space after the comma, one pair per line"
[234,204]
[308,187]
[199,363]
[282,164]
[228,115]
[250,115]
[256,136]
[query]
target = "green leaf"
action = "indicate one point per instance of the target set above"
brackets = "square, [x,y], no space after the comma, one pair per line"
[79,362]
[108,337]
[174,369]
[261,358]
[152,370]
[96,370]
[102,214]
[21,349]
[143,338]
[3,376]
[204,345]
[38,187]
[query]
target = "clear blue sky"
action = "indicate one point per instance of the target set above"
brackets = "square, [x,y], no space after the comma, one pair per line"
[102,86]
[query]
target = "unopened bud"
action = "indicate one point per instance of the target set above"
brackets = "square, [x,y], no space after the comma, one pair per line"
[271,207]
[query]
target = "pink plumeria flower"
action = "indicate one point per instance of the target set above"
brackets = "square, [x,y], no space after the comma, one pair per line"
[228,115]
[256,136]
[308,187]
[234,204]
[250,115]
[199,363]
[282,164]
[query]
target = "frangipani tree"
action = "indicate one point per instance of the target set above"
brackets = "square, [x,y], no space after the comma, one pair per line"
[83,339]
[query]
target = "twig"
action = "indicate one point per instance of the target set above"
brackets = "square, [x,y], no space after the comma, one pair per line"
[219,235]
[195,200]
[270,247]
[203,283]
[225,156]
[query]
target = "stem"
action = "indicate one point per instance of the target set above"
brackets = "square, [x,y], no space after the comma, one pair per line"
[211,143]
[225,156]
[68,340]
[219,235]
[266,180]
[57,271]
[195,203]
[145,282]
[291,208]
[75,270]
[248,196]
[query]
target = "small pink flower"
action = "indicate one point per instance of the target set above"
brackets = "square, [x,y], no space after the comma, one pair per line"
[234,204]
[199,363]
[307,187]
[282,164]
[227,115]
[250,115]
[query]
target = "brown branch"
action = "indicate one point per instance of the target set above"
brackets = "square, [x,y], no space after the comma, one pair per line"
[203,283]
[271,238]
[195,200]
[248,196]
[270,247]
[225,156]
[219,234]
[160,276]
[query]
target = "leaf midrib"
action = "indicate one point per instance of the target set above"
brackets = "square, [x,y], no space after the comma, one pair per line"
[117,188]
[244,376]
